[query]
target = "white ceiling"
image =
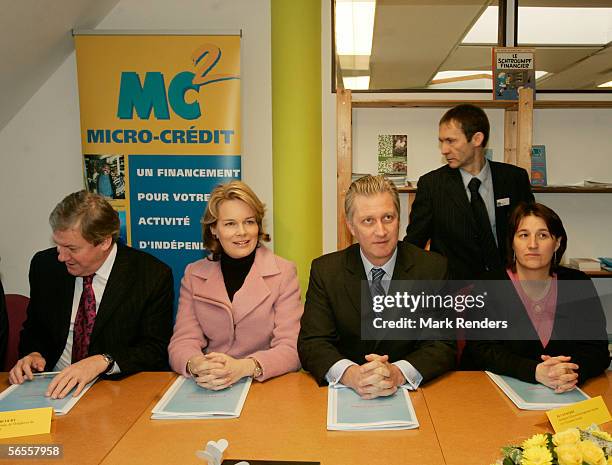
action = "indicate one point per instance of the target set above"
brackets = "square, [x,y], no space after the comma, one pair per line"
[414,39]
[35,38]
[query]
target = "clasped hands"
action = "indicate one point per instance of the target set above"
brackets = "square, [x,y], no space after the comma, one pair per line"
[218,371]
[375,378]
[78,374]
[557,373]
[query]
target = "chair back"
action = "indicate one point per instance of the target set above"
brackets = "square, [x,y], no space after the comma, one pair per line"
[16,306]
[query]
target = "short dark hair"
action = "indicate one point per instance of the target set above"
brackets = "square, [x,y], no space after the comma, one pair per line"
[91,213]
[553,223]
[471,119]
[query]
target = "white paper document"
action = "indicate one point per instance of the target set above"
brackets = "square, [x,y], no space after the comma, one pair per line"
[186,400]
[529,396]
[347,411]
[31,394]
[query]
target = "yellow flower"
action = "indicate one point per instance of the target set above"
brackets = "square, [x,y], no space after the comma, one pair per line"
[602,435]
[569,454]
[569,436]
[536,456]
[535,440]
[591,453]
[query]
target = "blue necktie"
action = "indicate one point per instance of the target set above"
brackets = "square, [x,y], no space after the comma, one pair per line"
[377,287]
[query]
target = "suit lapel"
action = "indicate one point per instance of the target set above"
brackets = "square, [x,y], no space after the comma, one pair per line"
[455,192]
[118,286]
[354,275]
[401,272]
[500,191]
[255,289]
[66,289]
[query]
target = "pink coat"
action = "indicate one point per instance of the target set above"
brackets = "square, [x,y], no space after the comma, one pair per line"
[262,322]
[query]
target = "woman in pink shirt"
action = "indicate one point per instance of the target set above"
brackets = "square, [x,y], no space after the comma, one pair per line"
[562,340]
[239,308]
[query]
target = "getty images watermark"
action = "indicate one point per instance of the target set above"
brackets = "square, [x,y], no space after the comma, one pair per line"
[478,310]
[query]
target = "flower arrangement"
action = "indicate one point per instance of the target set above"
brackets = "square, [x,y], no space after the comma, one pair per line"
[571,447]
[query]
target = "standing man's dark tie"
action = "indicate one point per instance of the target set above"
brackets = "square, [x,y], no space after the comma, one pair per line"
[490,252]
[84,321]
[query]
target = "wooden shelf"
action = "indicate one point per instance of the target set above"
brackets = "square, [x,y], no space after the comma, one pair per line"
[571,190]
[599,274]
[503,104]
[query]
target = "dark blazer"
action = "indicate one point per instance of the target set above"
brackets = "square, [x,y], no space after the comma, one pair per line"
[576,305]
[441,212]
[4,329]
[134,320]
[331,324]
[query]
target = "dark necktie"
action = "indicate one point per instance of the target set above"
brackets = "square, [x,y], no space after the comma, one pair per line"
[485,237]
[377,287]
[85,318]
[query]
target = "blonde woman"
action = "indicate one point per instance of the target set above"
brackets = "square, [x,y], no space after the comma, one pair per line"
[239,308]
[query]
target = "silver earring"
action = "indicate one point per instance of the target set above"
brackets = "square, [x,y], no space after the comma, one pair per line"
[513,257]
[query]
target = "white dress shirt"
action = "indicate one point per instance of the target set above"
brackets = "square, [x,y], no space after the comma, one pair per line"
[99,284]
[413,377]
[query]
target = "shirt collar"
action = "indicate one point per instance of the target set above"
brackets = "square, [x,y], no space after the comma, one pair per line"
[483,176]
[105,269]
[387,267]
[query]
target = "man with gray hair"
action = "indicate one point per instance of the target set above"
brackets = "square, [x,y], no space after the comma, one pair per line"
[330,344]
[97,307]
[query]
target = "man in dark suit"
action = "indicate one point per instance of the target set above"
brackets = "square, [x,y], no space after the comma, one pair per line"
[470,230]
[96,307]
[330,344]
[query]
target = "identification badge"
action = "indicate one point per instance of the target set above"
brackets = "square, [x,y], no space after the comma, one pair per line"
[502,202]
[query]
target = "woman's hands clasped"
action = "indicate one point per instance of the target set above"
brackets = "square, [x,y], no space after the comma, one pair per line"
[218,371]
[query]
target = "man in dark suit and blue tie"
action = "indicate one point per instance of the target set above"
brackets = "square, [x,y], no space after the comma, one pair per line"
[96,307]
[330,344]
[464,206]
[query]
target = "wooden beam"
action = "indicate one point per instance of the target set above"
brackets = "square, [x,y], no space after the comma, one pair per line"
[524,139]
[344,147]
[510,129]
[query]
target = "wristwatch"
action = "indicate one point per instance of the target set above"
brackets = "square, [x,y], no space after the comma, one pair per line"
[258,370]
[111,363]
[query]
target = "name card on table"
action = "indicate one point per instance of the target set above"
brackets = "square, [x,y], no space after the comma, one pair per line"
[25,422]
[579,415]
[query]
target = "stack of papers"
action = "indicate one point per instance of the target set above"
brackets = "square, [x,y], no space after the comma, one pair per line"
[528,396]
[346,411]
[31,394]
[187,401]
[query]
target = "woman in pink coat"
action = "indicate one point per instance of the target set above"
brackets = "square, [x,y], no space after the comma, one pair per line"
[239,309]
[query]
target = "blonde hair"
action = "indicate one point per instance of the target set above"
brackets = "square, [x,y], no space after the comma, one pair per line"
[234,190]
[367,186]
[91,213]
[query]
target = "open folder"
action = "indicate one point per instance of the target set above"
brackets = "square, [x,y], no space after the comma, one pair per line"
[31,394]
[186,400]
[529,396]
[347,411]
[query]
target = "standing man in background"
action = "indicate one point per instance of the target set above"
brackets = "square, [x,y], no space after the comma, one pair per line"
[463,207]
[96,307]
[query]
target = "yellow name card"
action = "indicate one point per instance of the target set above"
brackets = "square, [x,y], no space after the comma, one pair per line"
[25,422]
[580,415]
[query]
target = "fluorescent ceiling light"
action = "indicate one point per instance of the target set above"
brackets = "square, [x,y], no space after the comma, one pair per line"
[354,27]
[564,26]
[484,30]
[606,84]
[356,82]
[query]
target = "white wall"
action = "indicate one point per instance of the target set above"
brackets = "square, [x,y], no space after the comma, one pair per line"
[41,148]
